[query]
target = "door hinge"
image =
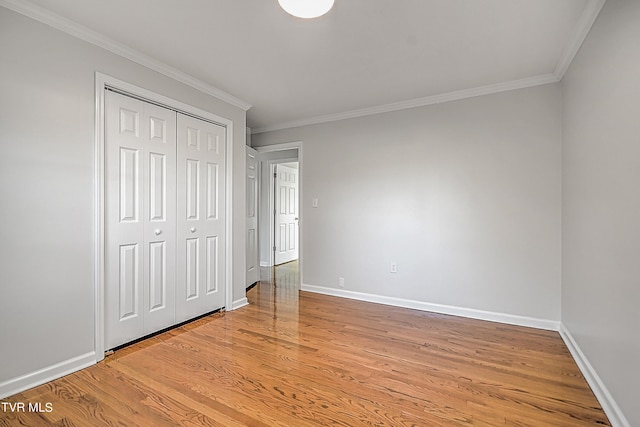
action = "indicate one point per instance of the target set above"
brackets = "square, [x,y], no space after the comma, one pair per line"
[274,249]
[275,174]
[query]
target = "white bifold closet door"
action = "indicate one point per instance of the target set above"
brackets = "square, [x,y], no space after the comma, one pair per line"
[164,218]
[201,217]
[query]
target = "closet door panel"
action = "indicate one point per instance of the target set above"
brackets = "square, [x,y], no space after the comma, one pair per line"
[159,210]
[124,225]
[140,164]
[201,219]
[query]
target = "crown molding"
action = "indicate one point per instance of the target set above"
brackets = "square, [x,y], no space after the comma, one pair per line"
[586,21]
[417,102]
[74,29]
[588,18]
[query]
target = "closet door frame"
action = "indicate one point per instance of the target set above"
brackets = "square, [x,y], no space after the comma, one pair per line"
[102,83]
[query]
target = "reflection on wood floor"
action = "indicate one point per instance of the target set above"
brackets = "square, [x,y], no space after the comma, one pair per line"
[294,358]
[282,282]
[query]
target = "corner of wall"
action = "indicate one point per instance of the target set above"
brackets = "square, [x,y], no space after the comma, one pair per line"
[611,409]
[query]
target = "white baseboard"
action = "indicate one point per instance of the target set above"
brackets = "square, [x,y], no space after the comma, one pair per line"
[239,303]
[510,319]
[610,407]
[44,375]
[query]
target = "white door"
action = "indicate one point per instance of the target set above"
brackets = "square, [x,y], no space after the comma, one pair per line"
[140,194]
[253,272]
[286,217]
[200,279]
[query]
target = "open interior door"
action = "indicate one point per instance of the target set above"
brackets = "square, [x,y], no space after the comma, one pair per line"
[286,216]
[253,272]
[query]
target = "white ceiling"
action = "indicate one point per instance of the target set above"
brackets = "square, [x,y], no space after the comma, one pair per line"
[362,54]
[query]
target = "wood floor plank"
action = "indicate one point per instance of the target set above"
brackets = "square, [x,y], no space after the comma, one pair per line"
[293,358]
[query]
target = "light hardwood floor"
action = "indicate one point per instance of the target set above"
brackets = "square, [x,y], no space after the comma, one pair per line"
[293,358]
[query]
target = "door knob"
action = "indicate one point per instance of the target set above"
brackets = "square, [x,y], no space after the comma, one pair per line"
[193,229]
[158,232]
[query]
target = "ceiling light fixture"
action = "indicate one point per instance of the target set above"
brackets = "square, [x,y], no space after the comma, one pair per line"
[306,8]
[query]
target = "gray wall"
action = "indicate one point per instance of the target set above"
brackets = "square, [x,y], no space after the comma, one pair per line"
[463,196]
[47,106]
[601,201]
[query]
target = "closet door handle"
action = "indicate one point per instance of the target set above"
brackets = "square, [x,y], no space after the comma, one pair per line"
[157,232]
[193,229]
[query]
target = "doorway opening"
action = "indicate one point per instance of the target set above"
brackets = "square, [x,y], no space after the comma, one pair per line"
[281,209]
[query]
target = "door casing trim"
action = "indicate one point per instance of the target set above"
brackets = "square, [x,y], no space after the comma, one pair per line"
[298,145]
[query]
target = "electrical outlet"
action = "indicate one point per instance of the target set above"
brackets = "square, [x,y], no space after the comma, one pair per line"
[341,282]
[393,268]
[314,203]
